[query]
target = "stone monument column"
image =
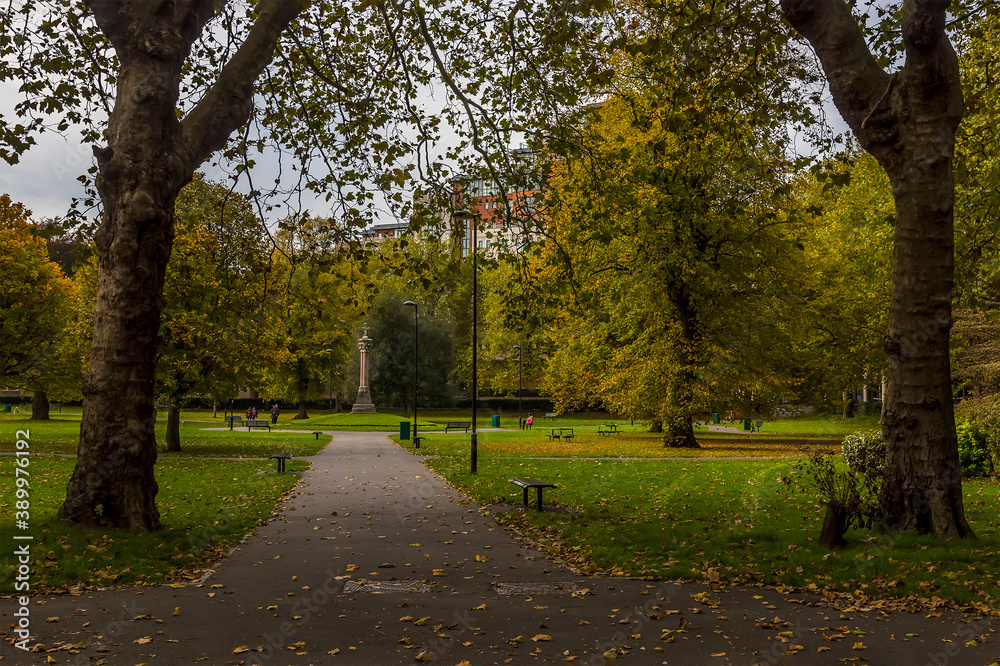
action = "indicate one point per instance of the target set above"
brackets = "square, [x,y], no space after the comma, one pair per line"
[364,405]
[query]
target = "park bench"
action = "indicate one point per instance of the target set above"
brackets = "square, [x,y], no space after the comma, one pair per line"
[455,425]
[525,484]
[235,420]
[561,433]
[281,458]
[317,433]
[755,427]
[550,415]
[607,429]
[257,423]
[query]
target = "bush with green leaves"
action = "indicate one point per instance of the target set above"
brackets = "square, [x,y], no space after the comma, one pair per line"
[984,413]
[851,498]
[864,453]
[973,448]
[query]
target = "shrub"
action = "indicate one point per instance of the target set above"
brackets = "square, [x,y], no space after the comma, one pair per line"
[973,449]
[851,498]
[864,453]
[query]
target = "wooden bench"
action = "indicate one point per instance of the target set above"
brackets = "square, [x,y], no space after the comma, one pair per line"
[455,425]
[525,484]
[235,420]
[281,458]
[257,423]
[561,433]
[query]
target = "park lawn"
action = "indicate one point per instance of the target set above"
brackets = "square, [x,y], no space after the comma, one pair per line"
[62,436]
[730,522]
[206,506]
[348,421]
[631,444]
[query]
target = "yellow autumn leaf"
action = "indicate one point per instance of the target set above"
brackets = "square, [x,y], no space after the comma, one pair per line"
[541,637]
[241,649]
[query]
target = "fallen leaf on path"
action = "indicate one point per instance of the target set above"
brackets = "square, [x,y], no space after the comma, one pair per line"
[241,649]
[541,637]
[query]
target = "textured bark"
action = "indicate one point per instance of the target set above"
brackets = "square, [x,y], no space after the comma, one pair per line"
[150,155]
[907,121]
[39,406]
[681,436]
[847,398]
[172,440]
[834,526]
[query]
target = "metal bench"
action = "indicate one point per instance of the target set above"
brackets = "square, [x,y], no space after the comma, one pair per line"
[234,420]
[755,426]
[281,458]
[561,433]
[257,423]
[525,484]
[317,433]
[550,415]
[607,429]
[455,425]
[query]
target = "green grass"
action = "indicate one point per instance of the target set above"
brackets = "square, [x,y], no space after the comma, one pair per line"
[206,507]
[61,435]
[819,424]
[730,522]
[631,443]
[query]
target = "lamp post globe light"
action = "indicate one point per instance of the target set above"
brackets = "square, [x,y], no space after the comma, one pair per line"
[330,385]
[416,440]
[518,348]
[462,214]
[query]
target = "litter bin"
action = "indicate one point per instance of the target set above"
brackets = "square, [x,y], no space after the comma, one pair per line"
[746,424]
[496,421]
[6,408]
[715,417]
[404,429]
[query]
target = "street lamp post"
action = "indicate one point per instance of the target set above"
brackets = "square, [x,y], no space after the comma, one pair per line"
[330,385]
[474,445]
[518,348]
[416,440]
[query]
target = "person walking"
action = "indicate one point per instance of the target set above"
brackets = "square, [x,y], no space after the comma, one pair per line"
[274,414]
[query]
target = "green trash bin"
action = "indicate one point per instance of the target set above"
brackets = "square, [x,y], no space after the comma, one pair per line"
[496,421]
[746,425]
[715,417]
[404,429]
[6,408]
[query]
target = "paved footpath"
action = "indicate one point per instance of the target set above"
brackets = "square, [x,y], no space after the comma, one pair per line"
[375,560]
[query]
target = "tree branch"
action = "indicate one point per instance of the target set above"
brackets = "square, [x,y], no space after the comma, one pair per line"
[857,83]
[228,104]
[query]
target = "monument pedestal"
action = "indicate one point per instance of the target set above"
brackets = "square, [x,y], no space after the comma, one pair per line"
[363,405]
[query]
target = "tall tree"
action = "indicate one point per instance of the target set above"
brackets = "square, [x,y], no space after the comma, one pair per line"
[175,80]
[35,308]
[907,120]
[217,331]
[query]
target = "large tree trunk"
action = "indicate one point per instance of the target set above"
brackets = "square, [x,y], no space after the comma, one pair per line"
[150,156]
[681,436]
[847,401]
[39,406]
[908,120]
[172,440]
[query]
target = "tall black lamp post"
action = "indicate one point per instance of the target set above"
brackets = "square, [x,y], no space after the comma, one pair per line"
[464,215]
[330,385]
[518,348]
[416,440]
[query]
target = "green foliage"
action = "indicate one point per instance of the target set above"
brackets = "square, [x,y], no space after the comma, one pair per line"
[391,329]
[864,453]
[973,449]
[35,307]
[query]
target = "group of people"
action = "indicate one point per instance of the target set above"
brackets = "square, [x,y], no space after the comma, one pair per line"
[251,413]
